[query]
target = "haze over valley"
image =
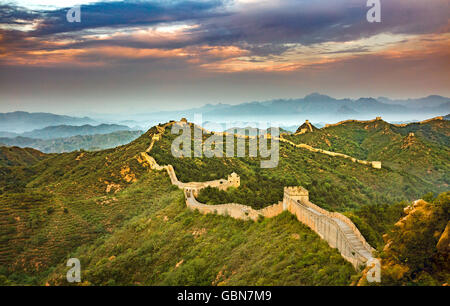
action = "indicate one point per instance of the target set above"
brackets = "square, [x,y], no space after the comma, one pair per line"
[198,143]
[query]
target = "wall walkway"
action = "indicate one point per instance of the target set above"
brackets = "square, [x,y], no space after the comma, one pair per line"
[338,230]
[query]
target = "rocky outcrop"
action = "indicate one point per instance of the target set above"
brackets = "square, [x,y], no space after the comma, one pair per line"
[443,245]
[417,247]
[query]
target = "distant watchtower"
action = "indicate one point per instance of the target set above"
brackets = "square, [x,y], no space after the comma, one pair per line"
[234,180]
[376,164]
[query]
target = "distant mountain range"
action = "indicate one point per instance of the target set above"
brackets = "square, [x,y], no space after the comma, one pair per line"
[286,113]
[60,131]
[430,101]
[73,143]
[317,108]
[19,122]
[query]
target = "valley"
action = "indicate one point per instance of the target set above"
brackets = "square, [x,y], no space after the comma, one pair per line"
[115,214]
[193,146]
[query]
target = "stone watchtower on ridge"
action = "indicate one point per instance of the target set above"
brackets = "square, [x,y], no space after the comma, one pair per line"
[234,180]
[297,193]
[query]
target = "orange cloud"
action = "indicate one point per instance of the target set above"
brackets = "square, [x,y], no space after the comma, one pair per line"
[223,59]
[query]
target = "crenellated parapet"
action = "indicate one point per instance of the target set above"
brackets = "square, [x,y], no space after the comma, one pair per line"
[374,164]
[234,180]
[296,193]
[338,230]
[353,120]
[439,118]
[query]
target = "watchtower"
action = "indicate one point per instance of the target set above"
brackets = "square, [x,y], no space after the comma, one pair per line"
[376,164]
[234,180]
[297,193]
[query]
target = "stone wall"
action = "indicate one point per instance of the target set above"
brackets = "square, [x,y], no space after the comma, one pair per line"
[440,118]
[351,120]
[373,164]
[233,179]
[272,211]
[335,228]
[234,210]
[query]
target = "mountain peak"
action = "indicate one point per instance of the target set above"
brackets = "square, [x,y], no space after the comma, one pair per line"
[365,100]
[306,127]
[317,96]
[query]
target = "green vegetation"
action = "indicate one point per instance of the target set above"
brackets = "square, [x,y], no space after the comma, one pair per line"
[167,244]
[334,183]
[130,226]
[255,191]
[375,220]
[425,154]
[417,248]
[140,234]
[15,156]
[87,142]
[55,205]
[79,174]
[64,131]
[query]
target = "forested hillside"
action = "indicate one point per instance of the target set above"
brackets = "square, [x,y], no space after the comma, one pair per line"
[420,149]
[129,225]
[73,143]
[14,156]
[64,131]
[334,183]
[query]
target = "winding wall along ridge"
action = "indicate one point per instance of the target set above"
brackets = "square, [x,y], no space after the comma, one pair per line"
[438,118]
[335,228]
[373,164]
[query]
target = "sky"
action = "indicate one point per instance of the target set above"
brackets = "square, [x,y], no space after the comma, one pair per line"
[136,56]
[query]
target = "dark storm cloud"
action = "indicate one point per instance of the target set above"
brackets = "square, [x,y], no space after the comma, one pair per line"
[53,23]
[261,29]
[53,26]
[309,22]
[10,14]
[127,13]
[254,37]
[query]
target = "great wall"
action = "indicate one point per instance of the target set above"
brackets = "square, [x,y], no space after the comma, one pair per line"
[352,120]
[373,164]
[440,118]
[338,230]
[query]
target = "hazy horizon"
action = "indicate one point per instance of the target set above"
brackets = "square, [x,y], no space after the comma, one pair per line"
[89,113]
[289,114]
[129,57]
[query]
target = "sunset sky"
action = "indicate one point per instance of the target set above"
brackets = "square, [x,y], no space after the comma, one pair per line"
[134,56]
